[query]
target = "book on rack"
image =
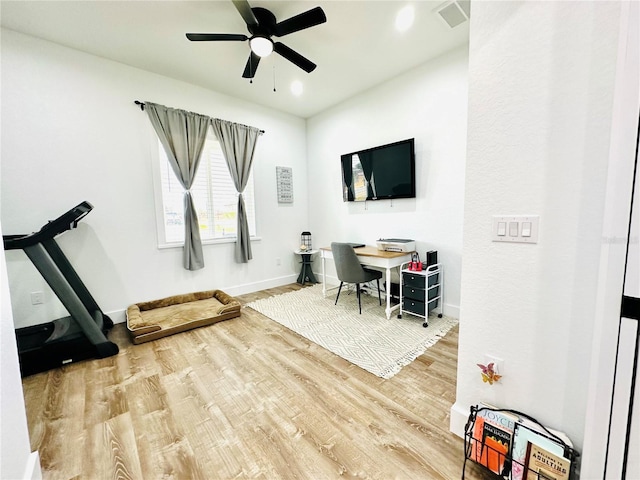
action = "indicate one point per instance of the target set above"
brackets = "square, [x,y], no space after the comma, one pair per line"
[528,433]
[544,465]
[492,437]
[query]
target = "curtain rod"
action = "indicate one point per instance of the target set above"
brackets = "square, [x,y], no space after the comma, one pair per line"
[142,104]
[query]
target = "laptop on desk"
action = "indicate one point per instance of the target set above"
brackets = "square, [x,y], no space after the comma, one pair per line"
[356,245]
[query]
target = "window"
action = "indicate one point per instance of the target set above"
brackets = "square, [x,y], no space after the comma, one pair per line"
[214,196]
[359,179]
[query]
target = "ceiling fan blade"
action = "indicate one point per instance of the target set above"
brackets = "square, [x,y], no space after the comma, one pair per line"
[251,66]
[294,57]
[216,37]
[310,18]
[244,9]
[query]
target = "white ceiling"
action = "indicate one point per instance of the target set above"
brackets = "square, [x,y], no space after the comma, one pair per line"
[357,48]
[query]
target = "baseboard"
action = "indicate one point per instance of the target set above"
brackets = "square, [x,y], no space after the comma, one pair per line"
[119,316]
[332,282]
[261,285]
[452,311]
[32,470]
[459,416]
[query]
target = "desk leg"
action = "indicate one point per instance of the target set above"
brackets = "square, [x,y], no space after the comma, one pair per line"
[388,293]
[324,278]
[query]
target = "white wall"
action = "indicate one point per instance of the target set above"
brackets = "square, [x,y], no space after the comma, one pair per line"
[71,132]
[428,103]
[541,78]
[16,459]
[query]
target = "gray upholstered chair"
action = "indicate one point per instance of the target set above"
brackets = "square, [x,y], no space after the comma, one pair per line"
[350,270]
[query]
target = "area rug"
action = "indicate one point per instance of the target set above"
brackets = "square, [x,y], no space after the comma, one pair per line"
[379,345]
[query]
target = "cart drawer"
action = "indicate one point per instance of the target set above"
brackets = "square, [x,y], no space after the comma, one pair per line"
[413,280]
[433,304]
[413,306]
[432,293]
[413,293]
[433,279]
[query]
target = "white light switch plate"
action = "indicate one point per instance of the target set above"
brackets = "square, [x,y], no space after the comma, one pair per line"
[514,231]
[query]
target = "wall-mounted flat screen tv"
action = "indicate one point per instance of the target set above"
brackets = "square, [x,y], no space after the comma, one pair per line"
[387,171]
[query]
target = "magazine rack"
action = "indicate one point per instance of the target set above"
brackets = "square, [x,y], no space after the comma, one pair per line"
[506,461]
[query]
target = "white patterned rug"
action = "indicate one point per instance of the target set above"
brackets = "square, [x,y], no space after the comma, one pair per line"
[370,341]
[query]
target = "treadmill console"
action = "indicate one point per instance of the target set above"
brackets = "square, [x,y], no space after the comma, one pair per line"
[64,222]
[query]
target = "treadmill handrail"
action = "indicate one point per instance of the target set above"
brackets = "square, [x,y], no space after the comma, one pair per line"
[52,228]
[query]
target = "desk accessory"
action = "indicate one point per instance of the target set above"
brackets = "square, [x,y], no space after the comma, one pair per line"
[305,241]
[396,245]
[415,265]
[432,259]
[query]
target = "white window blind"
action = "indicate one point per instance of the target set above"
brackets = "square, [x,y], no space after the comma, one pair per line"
[214,195]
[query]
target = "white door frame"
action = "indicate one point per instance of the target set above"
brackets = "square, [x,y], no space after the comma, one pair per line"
[613,251]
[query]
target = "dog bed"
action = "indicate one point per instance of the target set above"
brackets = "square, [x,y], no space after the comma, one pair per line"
[158,318]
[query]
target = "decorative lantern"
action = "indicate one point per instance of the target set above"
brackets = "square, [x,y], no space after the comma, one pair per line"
[305,241]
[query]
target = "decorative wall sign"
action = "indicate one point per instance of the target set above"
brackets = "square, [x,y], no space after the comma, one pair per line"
[284,179]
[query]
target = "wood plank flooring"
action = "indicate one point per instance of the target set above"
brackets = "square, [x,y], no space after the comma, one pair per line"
[244,398]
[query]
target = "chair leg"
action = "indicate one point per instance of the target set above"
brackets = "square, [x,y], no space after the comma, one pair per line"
[359,304]
[378,285]
[338,296]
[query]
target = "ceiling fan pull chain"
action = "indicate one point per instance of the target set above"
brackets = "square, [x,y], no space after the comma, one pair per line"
[274,78]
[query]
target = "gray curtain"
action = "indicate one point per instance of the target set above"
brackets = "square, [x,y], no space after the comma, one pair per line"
[182,134]
[238,144]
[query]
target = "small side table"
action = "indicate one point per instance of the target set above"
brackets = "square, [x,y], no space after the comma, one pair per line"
[306,273]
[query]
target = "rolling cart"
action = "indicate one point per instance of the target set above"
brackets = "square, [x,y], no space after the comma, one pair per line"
[421,291]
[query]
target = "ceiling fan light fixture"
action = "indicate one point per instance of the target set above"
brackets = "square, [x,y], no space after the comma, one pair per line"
[262,26]
[261,46]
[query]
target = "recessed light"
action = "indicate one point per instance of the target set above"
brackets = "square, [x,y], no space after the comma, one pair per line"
[404,18]
[297,88]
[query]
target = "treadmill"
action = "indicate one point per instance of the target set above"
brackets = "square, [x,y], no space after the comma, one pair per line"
[81,335]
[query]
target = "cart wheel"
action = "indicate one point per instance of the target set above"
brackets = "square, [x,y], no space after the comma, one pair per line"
[439,315]
[399,315]
[425,324]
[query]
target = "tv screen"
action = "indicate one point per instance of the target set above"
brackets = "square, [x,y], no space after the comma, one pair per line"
[387,171]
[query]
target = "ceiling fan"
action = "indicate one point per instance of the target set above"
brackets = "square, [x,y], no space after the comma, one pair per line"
[262,25]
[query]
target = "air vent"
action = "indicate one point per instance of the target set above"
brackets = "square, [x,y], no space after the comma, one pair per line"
[455,12]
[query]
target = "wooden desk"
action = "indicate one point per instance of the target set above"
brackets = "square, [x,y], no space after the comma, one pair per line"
[372,257]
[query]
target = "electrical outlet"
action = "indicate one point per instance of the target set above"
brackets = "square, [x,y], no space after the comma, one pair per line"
[498,363]
[37,298]
[278,261]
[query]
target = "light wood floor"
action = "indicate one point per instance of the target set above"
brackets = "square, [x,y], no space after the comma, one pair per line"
[245,398]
